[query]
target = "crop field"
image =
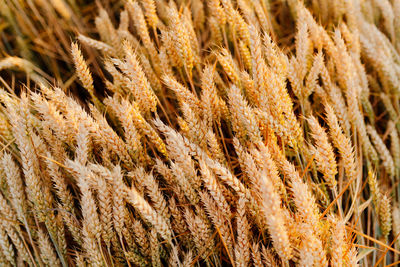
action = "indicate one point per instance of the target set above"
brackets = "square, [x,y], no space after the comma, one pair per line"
[200,133]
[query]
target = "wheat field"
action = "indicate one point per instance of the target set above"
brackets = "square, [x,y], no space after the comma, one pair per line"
[200,133]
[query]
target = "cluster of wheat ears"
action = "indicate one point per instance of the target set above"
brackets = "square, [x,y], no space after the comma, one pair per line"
[200,133]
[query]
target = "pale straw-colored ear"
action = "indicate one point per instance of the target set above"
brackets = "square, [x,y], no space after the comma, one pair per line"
[384,154]
[324,156]
[82,69]
[47,252]
[343,143]
[149,214]
[99,45]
